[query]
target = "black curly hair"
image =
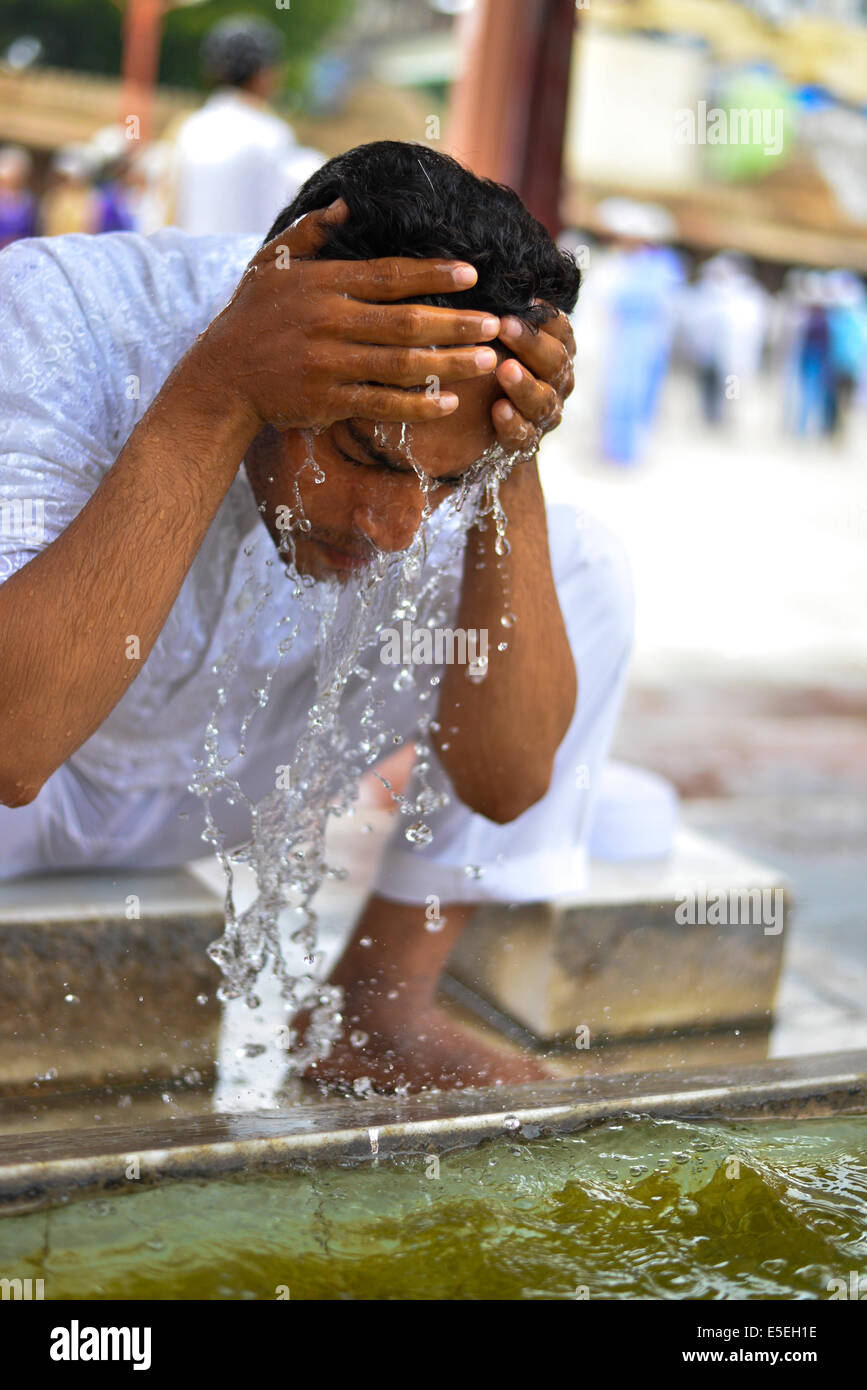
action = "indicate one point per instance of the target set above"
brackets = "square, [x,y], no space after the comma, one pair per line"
[408,200]
[239,47]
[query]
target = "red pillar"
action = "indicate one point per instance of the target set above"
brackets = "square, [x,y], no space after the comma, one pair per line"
[142,32]
[508,112]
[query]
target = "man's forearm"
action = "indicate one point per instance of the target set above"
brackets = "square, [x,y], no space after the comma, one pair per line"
[498,736]
[114,573]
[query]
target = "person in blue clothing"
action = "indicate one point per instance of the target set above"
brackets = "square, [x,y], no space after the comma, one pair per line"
[847,329]
[642,279]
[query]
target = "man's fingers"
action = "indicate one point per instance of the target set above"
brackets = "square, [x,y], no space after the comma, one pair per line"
[560,326]
[414,325]
[386,403]
[544,354]
[310,233]
[399,277]
[536,400]
[400,366]
[513,431]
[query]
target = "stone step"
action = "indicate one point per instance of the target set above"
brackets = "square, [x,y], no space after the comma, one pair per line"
[616,961]
[105,980]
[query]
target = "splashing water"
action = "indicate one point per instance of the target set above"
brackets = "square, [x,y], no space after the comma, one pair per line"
[286,846]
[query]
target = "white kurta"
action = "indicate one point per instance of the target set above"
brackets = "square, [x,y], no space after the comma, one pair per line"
[91,328]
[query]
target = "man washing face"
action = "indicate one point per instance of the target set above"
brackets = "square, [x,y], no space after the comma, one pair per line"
[131,402]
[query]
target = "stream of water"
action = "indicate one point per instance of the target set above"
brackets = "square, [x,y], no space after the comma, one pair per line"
[286,847]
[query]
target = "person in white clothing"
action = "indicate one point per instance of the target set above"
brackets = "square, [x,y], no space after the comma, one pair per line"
[160,435]
[236,163]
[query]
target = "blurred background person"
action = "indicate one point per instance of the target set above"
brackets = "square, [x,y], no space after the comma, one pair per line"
[724,326]
[70,203]
[17,203]
[147,187]
[113,160]
[847,321]
[813,377]
[638,282]
[236,163]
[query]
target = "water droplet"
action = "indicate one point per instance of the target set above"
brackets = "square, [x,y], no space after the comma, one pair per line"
[201,998]
[477,670]
[357,1038]
[473,871]
[508,620]
[71,999]
[366,941]
[511,1123]
[419,833]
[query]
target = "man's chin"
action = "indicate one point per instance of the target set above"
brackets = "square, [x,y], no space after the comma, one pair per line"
[322,560]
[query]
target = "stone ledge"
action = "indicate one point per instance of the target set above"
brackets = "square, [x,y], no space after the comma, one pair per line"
[617,961]
[88,995]
[36,1171]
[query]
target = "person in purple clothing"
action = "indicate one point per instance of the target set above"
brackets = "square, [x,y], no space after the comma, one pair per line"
[114,212]
[114,157]
[17,204]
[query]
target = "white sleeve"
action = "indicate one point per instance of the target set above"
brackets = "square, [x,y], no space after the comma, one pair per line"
[55,404]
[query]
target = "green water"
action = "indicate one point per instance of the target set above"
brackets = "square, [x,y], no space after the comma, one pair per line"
[648,1209]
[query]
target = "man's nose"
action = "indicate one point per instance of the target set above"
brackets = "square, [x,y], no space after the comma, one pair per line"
[391,525]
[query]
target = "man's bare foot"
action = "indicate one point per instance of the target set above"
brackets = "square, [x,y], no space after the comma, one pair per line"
[424,1051]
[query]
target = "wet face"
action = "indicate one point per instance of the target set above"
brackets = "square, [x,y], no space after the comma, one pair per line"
[371,497]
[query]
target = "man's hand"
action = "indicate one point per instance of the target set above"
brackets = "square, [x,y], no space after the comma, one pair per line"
[305,342]
[537,380]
